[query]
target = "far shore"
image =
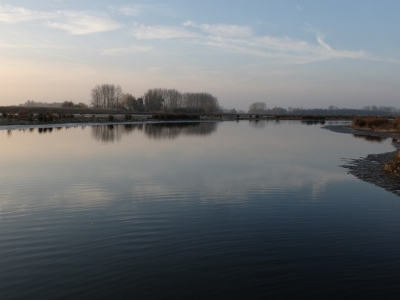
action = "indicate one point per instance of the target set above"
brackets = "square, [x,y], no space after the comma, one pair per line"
[138,117]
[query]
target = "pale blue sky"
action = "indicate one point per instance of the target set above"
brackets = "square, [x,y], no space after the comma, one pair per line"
[286,53]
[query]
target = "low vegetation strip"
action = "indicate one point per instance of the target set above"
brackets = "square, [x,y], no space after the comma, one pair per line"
[171,116]
[377,123]
[60,110]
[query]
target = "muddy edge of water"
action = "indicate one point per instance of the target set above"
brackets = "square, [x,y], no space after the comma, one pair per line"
[370,168]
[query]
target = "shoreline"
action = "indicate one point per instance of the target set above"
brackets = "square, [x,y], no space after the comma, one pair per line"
[94,123]
[138,119]
[370,168]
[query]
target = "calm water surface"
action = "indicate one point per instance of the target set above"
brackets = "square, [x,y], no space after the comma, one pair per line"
[194,210]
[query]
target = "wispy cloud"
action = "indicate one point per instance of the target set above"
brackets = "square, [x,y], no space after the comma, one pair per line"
[226,30]
[283,50]
[75,22]
[135,10]
[241,40]
[84,23]
[12,14]
[141,31]
[128,50]
[132,10]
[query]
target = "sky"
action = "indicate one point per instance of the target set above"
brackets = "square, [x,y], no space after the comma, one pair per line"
[308,54]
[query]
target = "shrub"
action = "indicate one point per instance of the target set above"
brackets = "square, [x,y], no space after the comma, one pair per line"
[128,116]
[371,122]
[4,115]
[360,122]
[49,116]
[110,118]
[396,124]
[22,114]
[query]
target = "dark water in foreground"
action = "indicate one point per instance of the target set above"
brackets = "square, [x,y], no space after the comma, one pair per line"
[210,210]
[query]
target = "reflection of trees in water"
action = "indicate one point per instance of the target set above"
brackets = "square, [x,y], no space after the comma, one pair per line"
[258,124]
[107,133]
[370,138]
[113,133]
[45,130]
[313,122]
[173,130]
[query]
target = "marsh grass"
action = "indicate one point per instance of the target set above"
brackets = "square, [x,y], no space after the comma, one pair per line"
[372,122]
[396,124]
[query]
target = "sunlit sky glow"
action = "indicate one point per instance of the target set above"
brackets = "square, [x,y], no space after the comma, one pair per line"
[286,53]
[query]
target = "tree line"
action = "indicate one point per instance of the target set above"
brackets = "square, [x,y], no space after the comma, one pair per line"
[157,99]
[261,108]
[31,103]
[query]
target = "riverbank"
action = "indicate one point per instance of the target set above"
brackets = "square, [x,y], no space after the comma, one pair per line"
[371,168]
[58,120]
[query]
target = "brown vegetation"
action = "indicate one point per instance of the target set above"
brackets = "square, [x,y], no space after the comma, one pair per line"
[377,123]
[394,165]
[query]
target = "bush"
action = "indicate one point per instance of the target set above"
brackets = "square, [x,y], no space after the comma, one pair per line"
[22,114]
[110,118]
[360,122]
[371,122]
[4,115]
[128,117]
[48,117]
[396,124]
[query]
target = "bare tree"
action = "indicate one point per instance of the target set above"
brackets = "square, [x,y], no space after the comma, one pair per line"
[153,100]
[96,94]
[258,108]
[106,96]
